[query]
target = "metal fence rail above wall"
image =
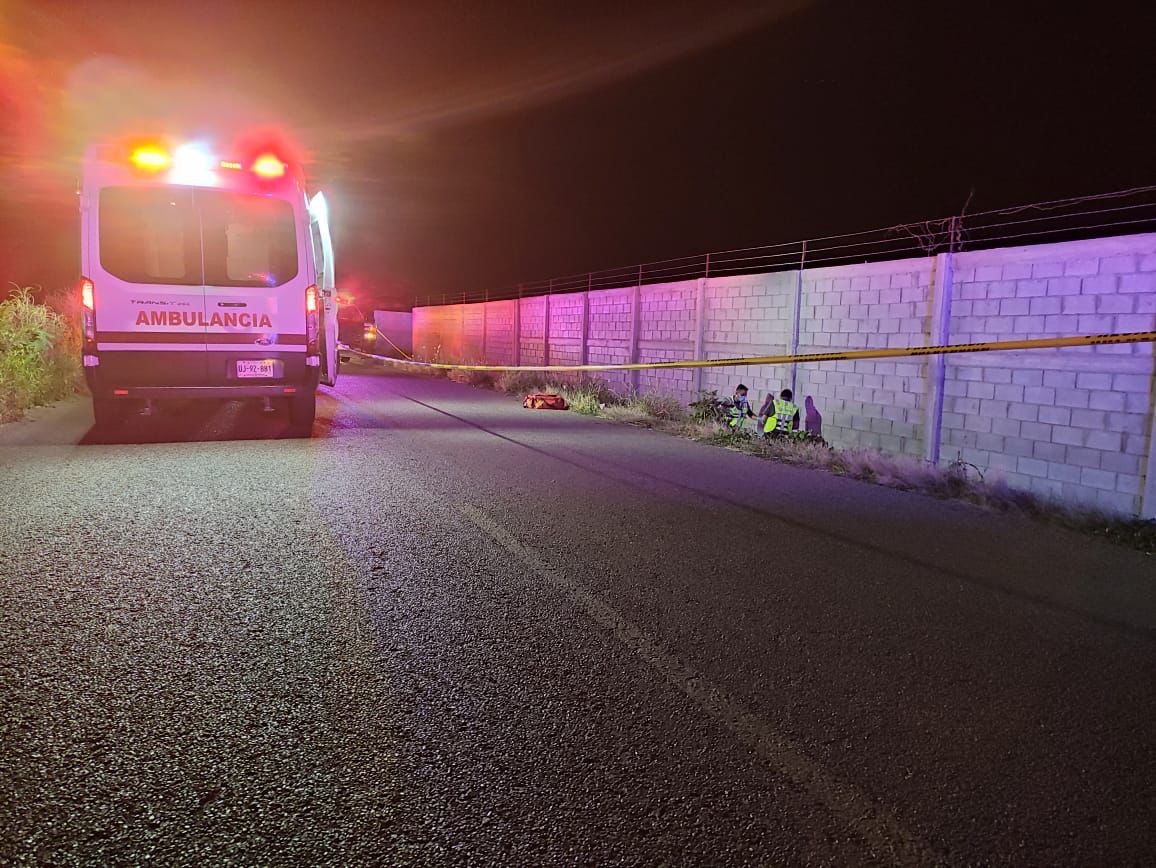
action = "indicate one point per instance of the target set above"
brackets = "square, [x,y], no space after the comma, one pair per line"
[1131,210]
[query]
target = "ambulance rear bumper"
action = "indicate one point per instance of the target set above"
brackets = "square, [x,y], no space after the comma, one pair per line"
[193,374]
[217,392]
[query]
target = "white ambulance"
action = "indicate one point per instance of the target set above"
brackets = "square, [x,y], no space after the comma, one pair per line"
[205,274]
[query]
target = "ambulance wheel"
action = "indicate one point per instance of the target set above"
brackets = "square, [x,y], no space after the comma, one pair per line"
[302,411]
[107,413]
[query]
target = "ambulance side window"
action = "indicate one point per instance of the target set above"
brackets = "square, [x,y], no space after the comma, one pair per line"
[318,250]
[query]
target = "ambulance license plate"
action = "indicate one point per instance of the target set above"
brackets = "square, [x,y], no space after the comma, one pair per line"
[257,368]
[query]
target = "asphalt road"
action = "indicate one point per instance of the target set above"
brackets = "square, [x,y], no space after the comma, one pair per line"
[447,630]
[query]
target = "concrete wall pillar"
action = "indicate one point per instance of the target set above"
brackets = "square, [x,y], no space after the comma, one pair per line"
[485,332]
[796,323]
[1148,495]
[584,331]
[635,333]
[699,332]
[941,277]
[518,328]
[546,328]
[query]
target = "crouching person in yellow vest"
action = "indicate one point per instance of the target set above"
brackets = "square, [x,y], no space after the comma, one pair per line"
[781,413]
[740,409]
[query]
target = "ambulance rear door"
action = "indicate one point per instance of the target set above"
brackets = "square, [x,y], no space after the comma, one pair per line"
[322,245]
[145,264]
[255,281]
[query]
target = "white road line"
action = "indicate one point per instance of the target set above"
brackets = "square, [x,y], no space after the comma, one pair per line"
[856,811]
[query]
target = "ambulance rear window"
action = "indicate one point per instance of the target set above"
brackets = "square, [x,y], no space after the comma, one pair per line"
[248,240]
[177,235]
[150,235]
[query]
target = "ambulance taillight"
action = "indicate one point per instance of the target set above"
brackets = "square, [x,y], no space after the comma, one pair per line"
[88,303]
[311,321]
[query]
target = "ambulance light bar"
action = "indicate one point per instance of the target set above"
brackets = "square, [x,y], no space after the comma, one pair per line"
[195,166]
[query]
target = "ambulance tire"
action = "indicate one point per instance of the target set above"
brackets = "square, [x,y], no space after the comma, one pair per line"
[108,413]
[302,411]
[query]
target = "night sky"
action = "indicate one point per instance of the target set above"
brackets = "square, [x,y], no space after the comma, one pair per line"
[467,146]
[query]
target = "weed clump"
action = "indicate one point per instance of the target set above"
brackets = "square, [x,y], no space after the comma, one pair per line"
[709,407]
[39,351]
[520,382]
[470,378]
[583,400]
[662,407]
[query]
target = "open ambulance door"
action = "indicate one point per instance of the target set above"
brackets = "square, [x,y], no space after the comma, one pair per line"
[323,259]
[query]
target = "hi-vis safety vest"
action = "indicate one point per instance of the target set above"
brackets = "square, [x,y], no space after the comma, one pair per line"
[738,412]
[784,414]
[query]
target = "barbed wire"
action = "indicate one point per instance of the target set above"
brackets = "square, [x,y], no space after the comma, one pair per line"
[1069,218]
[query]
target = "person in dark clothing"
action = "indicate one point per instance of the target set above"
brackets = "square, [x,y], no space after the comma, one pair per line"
[766,410]
[814,420]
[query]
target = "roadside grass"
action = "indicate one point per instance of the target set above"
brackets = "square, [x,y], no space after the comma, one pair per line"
[471,378]
[955,480]
[583,395]
[593,397]
[39,350]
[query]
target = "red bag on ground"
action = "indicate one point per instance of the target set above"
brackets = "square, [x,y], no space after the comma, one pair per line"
[543,401]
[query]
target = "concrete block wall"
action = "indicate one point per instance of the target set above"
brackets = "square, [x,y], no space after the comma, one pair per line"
[397,326]
[532,338]
[667,333]
[750,315]
[500,337]
[610,332]
[473,332]
[566,329]
[426,331]
[1076,423]
[437,332]
[877,404]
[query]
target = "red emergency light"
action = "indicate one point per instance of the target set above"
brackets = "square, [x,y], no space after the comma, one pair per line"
[268,166]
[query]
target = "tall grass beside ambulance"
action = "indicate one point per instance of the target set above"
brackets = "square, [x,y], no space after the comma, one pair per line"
[39,351]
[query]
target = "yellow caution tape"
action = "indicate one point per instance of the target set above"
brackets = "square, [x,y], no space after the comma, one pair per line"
[845,355]
[379,333]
